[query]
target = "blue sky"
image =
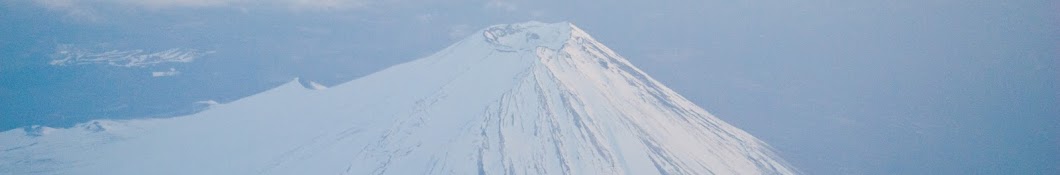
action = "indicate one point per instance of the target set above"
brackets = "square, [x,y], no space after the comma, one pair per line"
[866,87]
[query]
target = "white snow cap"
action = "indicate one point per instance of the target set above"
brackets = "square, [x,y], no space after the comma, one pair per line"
[527,98]
[528,35]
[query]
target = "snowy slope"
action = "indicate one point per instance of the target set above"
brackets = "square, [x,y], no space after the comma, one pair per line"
[529,98]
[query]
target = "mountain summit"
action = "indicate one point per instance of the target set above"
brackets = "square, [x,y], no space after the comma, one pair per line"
[528,98]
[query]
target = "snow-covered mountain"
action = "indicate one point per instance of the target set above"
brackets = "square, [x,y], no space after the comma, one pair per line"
[529,98]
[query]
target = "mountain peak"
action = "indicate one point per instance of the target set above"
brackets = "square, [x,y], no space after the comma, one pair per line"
[529,35]
[528,98]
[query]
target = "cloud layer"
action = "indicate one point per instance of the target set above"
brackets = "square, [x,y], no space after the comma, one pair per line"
[170,72]
[68,55]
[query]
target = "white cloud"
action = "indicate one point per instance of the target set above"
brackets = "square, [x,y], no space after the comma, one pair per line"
[170,72]
[68,55]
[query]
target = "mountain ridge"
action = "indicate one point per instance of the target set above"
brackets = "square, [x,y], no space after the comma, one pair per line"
[527,98]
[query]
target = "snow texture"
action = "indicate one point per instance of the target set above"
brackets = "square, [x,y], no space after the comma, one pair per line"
[529,98]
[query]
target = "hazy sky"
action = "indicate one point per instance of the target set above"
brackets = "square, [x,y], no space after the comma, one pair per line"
[838,87]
